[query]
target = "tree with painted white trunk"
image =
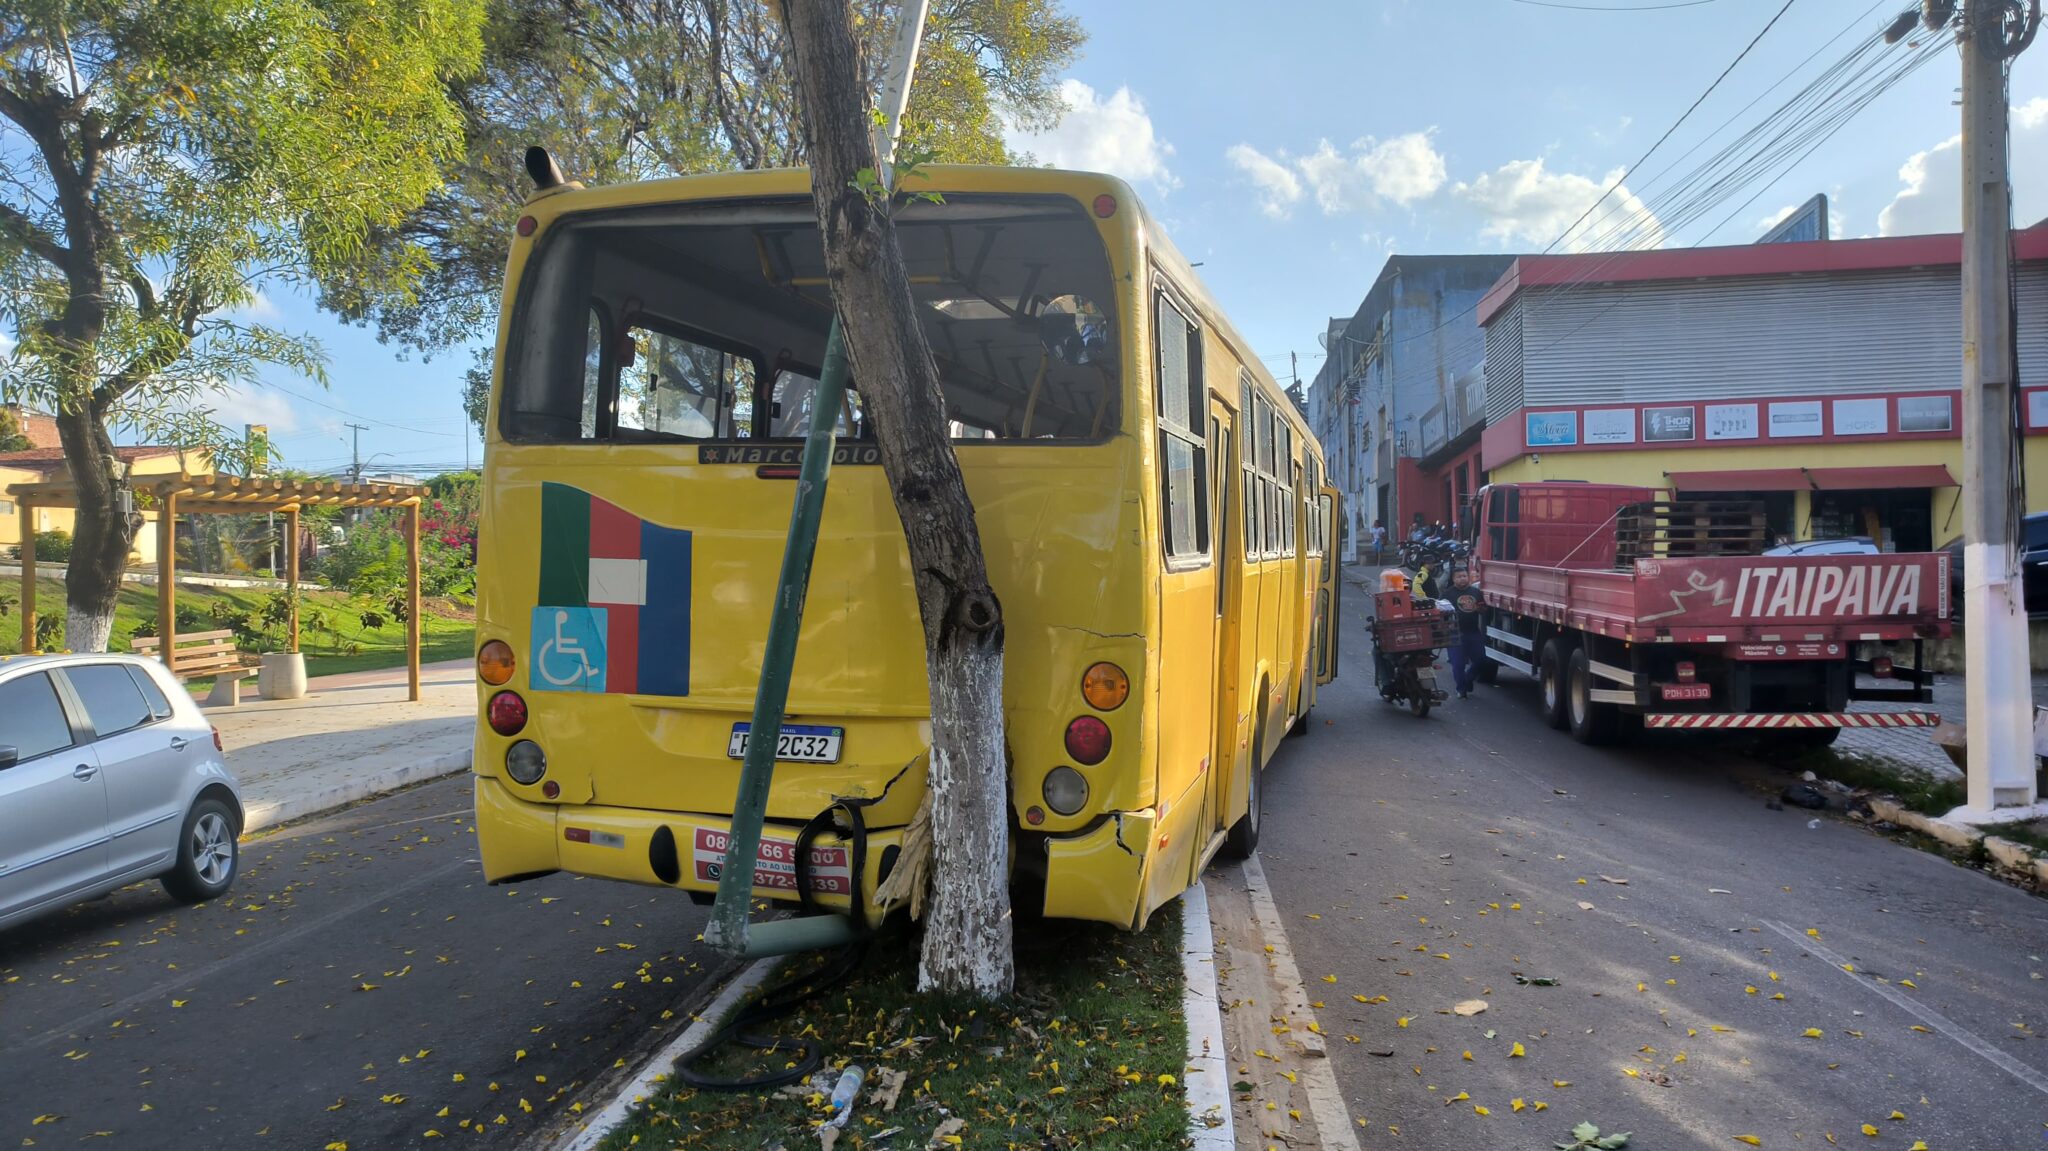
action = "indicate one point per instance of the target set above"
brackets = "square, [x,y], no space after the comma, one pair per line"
[163,160]
[967,941]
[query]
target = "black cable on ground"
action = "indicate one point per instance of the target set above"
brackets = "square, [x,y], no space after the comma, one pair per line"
[790,994]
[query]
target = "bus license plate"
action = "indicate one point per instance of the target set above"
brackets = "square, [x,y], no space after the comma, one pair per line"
[1687,690]
[798,743]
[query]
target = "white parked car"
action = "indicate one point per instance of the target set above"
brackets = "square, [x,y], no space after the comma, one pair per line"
[109,774]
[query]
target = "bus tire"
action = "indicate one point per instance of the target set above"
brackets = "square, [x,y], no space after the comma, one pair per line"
[1243,836]
[1592,724]
[1300,727]
[1551,668]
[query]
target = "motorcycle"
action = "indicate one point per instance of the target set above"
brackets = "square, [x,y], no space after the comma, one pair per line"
[1407,634]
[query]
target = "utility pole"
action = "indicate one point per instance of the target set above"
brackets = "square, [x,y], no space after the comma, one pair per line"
[2001,769]
[356,451]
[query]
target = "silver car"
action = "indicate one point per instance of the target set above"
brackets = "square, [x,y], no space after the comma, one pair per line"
[109,774]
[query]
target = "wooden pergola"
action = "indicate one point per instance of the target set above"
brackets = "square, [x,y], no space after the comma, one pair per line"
[172,495]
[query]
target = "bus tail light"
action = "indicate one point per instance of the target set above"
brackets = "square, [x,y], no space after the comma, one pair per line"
[494,663]
[1034,815]
[1881,667]
[1105,686]
[1105,206]
[506,713]
[1066,790]
[1087,741]
[1687,671]
[525,762]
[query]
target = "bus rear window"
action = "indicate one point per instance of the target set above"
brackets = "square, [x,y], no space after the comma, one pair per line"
[707,321]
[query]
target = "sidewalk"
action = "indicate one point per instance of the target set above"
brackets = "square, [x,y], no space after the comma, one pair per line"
[351,737]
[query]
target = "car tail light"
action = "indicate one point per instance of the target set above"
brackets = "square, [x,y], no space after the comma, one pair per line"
[506,713]
[525,762]
[494,662]
[1687,672]
[216,739]
[1881,667]
[1066,790]
[1105,687]
[1088,740]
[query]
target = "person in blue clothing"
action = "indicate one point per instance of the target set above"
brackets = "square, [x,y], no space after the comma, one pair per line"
[1468,634]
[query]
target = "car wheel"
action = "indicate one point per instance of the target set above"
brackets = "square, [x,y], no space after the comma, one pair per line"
[207,854]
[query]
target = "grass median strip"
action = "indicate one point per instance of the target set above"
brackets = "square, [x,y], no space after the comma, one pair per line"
[1088,1053]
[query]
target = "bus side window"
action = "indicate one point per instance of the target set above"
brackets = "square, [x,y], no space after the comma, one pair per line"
[672,386]
[1182,451]
[1254,519]
[593,375]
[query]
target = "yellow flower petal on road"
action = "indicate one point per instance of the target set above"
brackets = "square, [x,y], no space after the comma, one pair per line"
[1560,1083]
[1909,983]
[1460,1097]
[1849,967]
[1749,991]
[518,1055]
[1540,1105]
[1289,1076]
[1516,1105]
[1752,1140]
[1403,1021]
[1812,1033]
[1642,987]
[1774,976]
[1515,1052]
[1896,1115]
[1717,1027]
[1478,1110]
[1813,931]
[1678,1058]
[1924,1030]
[1329,979]
[1918,1145]
[1779,997]
[1361,999]
[1468,1057]
[1870,1129]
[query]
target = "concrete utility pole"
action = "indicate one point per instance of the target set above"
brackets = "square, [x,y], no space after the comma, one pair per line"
[356,450]
[2001,770]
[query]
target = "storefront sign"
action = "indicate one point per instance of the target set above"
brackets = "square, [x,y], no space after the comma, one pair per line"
[1664,425]
[1925,414]
[1861,417]
[1550,429]
[1731,421]
[1795,419]
[1611,426]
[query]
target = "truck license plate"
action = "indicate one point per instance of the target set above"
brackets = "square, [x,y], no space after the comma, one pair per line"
[1687,690]
[798,743]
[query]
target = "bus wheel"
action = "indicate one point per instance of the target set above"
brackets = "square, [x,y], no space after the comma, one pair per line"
[1300,727]
[1550,672]
[1243,837]
[1592,723]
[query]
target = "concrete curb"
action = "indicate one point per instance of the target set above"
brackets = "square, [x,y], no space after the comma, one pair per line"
[1206,1077]
[2014,857]
[656,1069]
[269,813]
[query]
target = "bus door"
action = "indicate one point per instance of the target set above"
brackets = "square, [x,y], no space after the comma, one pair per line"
[1226,777]
[1329,594]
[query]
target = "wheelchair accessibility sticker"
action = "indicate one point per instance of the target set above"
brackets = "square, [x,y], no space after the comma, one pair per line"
[568,649]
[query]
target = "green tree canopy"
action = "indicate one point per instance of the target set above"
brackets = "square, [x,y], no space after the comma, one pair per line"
[162,159]
[635,89]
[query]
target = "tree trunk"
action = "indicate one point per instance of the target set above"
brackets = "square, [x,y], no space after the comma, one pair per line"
[967,925]
[100,536]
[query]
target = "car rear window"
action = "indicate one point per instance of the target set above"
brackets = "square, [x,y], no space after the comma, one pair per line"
[2036,533]
[112,701]
[31,720]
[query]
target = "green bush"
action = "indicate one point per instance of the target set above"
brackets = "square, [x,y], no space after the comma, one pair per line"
[53,546]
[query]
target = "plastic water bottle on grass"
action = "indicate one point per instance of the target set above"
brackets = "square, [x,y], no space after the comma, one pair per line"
[844,1093]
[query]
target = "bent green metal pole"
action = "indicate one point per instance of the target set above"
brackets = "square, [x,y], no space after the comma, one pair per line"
[729,930]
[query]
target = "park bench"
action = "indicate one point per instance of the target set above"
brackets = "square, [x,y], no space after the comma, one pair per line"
[201,654]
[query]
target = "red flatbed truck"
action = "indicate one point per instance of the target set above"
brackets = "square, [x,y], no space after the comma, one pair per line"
[1632,609]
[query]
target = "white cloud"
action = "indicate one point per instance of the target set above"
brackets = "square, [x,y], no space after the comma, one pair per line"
[259,309]
[1111,134]
[1930,182]
[1369,174]
[1278,187]
[1524,203]
[254,405]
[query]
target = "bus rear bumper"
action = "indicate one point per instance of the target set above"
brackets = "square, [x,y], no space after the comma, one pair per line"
[682,850]
[1099,874]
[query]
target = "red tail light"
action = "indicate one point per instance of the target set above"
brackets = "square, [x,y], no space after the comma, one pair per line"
[1881,667]
[1088,740]
[506,713]
[1687,672]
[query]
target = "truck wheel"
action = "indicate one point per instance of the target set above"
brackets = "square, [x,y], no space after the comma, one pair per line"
[1550,672]
[1592,723]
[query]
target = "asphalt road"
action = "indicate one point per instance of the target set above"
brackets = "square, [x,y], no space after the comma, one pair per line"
[1431,860]
[361,980]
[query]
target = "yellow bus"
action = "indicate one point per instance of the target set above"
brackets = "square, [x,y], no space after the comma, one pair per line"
[1151,505]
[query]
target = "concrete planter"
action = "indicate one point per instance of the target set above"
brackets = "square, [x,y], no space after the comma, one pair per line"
[283,676]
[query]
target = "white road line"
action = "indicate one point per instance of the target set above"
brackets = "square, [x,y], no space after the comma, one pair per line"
[662,1064]
[1208,1075]
[1325,1101]
[1928,1015]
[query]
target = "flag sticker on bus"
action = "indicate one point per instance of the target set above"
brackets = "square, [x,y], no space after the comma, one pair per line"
[612,587]
[774,864]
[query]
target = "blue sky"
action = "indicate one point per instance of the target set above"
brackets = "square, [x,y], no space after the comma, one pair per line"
[1290,146]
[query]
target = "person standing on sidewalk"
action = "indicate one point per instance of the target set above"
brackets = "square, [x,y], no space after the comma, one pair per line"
[1468,636]
[1379,540]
